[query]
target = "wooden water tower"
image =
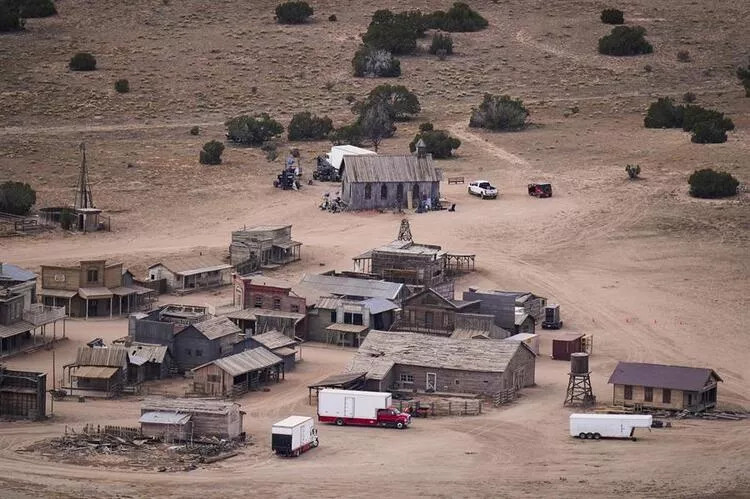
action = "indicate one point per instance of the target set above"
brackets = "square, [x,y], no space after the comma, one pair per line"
[579,381]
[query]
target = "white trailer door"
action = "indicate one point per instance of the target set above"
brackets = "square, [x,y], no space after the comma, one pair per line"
[431,382]
[348,407]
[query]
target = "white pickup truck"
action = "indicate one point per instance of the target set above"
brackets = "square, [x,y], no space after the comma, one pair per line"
[483,189]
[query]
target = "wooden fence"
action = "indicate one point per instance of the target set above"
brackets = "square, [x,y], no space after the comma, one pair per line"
[504,397]
[442,407]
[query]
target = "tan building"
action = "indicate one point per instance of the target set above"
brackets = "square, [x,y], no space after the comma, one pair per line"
[187,274]
[92,288]
[658,386]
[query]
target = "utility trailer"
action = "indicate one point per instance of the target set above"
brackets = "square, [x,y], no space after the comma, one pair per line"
[596,426]
[352,407]
[552,317]
[294,435]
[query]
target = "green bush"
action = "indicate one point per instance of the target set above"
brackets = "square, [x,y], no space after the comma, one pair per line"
[395,33]
[426,127]
[211,153]
[10,15]
[195,130]
[37,8]
[437,142]
[689,97]
[16,198]
[122,86]
[293,12]
[332,18]
[744,76]
[612,16]
[441,42]
[306,126]
[500,113]
[633,171]
[400,103]
[459,18]
[664,114]
[82,61]
[693,115]
[253,130]
[372,62]
[708,132]
[711,184]
[625,41]
[347,134]
[376,123]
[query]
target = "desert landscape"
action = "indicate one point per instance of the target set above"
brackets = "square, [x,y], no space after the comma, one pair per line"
[652,273]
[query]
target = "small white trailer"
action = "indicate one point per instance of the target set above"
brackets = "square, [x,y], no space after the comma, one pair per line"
[294,435]
[598,426]
[337,153]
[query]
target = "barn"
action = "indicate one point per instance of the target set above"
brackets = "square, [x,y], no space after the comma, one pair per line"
[389,182]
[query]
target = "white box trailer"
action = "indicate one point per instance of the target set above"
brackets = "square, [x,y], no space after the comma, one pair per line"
[607,425]
[353,407]
[336,155]
[294,435]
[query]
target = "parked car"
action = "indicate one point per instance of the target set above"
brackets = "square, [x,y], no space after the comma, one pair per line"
[483,189]
[540,190]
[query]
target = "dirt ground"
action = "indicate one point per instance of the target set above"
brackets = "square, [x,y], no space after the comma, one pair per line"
[653,274]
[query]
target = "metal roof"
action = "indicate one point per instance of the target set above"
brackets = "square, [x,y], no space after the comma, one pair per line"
[114,356]
[98,372]
[409,247]
[401,168]
[351,286]
[381,350]
[11,272]
[692,379]
[218,327]
[140,353]
[191,265]
[165,418]
[339,379]
[274,339]
[58,293]
[94,292]
[379,305]
[243,362]
[190,406]
[264,312]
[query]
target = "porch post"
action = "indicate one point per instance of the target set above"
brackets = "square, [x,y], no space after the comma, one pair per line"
[87,308]
[111,305]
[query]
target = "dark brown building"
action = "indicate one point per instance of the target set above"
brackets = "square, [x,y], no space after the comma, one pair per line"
[429,312]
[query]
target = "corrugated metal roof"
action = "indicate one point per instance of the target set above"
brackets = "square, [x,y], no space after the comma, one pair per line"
[190,265]
[274,339]
[351,286]
[114,356]
[402,168]
[381,348]
[692,379]
[98,372]
[264,312]
[247,361]
[165,418]
[94,292]
[330,302]
[140,353]
[218,327]
[379,305]
[12,272]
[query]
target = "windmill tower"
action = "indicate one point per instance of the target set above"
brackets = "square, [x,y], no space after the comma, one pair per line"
[404,232]
[83,189]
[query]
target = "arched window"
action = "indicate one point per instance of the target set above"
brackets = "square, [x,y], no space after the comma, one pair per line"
[384,191]
[368,191]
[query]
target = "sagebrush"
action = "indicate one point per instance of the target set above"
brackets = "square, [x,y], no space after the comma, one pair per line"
[307,126]
[373,62]
[499,113]
[625,41]
[708,183]
[293,12]
[253,130]
[211,153]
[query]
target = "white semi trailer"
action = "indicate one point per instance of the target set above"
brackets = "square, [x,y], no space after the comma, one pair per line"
[598,426]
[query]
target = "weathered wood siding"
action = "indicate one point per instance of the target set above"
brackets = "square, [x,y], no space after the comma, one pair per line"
[61,278]
[353,194]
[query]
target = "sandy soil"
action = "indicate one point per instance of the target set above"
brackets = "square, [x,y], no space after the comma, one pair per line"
[653,274]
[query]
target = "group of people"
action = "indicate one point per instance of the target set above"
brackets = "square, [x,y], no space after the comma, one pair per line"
[334,205]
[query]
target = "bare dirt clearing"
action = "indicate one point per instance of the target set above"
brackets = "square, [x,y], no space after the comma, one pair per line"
[653,274]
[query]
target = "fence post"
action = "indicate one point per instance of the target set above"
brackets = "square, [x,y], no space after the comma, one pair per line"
[449,408]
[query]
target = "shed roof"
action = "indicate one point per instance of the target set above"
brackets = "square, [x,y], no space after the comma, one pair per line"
[379,305]
[284,351]
[58,293]
[191,405]
[342,379]
[662,376]
[569,336]
[191,265]
[351,286]
[15,328]
[165,418]
[94,293]
[140,353]
[244,362]
[215,328]
[274,339]
[98,372]
[381,350]
[347,328]
[11,272]
[113,356]
[406,247]
[397,168]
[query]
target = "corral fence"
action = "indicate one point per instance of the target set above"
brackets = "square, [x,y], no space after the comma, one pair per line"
[504,397]
[126,432]
[441,407]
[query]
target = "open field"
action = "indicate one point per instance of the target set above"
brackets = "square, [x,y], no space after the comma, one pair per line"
[653,274]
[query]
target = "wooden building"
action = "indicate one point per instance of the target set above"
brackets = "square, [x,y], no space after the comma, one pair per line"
[428,363]
[92,288]
[658,386]
[23,395]
[280,345]
[24,329]
[406,262]
[167,426]
[237,374]
[258,291]
[429,312]
[18,281]
[205,341]
[187,274]
[517,312]
[372,182]
[209,418]
[263,247]
[345,322]
[147,362]
[97,371]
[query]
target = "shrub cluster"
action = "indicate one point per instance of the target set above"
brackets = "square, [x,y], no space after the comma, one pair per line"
[612,16]
[82,61]
[439,143]
[16,198]
[211,153]
[744,76]
[373,62]
[441,42]
[37,8]
[707,125]
[253,130]
[625,40]
[122,86]
[395,33]
[711,184]
[10,15]
[306,126]
[664,114]
[347,134]
[499,113]
[399,102]
[459,18]
[293,12]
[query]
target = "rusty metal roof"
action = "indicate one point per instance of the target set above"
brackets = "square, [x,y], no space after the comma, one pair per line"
[692,379]
[403,168]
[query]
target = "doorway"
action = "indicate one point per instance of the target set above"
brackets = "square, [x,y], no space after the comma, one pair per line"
[415,196]
[348,407]
[431,382]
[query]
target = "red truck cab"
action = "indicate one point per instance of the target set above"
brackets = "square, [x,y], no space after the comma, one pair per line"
[393,417]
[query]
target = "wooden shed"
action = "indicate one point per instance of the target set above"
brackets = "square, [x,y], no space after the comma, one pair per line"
[168,426]
[209,417]
[564,344]
[238,373]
